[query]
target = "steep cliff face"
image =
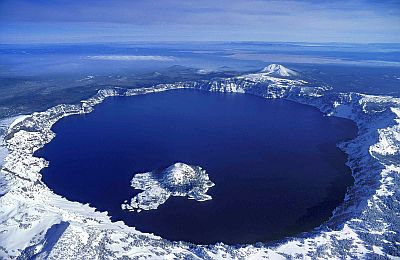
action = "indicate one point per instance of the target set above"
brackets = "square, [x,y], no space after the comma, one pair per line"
[366,225]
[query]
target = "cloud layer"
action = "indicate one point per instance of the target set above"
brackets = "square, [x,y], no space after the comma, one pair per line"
[131,58]
[259,20]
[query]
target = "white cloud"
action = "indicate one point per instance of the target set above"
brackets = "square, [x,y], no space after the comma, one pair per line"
[191,20]
[131,58]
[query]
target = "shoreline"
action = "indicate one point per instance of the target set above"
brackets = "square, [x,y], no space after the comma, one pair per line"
[364,154]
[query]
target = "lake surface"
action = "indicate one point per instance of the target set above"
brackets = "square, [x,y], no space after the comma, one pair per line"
[275,165]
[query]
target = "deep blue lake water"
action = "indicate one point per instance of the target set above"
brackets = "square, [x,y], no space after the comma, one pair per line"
[275,164]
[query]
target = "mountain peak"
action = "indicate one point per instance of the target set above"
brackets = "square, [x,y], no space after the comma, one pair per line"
[279,70]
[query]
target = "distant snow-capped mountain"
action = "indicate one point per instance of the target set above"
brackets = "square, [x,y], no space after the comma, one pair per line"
[279,70]
[37,223]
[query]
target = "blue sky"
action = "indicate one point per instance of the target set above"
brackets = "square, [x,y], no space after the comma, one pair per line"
[39,21]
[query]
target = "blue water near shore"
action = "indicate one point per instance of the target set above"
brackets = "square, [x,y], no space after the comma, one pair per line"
[275,164]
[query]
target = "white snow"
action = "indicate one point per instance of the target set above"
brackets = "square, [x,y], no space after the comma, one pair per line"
[178,179]
[17,120]
[365,223]
[279,70]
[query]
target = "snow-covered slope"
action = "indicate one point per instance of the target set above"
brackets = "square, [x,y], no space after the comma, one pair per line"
[279,71]
[35,222]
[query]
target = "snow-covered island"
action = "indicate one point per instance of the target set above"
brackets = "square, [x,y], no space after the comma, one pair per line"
[37,223]
[178,179]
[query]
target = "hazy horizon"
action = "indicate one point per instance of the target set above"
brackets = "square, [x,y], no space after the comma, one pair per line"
[308,21]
